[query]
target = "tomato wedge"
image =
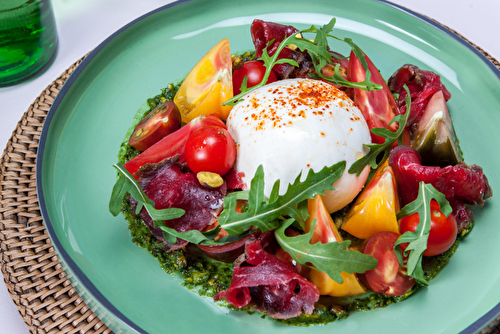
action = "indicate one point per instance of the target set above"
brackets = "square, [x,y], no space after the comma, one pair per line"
[172,144]
[378,107]
[208,85]
[388,278]
[325,231]
[160,122]
[374,210]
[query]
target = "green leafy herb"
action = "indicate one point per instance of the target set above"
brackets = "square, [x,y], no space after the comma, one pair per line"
[372,158]
[318,50]
[418,240]
[332,257]
[262,214]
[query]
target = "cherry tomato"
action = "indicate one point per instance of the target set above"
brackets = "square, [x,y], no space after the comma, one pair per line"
[388,278]
[160,122]
[443,230]
[254,70]
[210,149]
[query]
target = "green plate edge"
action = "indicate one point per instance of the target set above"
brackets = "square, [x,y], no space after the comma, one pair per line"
[124,285]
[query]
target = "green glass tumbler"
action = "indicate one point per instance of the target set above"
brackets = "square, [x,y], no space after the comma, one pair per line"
[28,39]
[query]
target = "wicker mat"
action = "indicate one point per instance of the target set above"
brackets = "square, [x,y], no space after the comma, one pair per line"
[35,279]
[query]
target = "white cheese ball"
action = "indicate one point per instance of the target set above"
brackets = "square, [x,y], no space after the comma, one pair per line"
[291,126]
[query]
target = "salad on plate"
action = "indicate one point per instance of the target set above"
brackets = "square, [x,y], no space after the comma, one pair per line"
[295,180]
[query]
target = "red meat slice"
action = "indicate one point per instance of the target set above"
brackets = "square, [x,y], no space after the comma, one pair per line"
[270,284]
[461,184]
[264,32]
[169,187]
[421,84]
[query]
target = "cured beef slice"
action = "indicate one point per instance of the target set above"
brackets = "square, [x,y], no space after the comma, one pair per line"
[271,285]
[169,187]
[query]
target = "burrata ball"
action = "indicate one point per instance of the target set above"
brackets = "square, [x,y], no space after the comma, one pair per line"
[292,126]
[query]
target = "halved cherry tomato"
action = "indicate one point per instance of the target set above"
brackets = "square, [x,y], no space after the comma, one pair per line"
[208,85]
[254,71]
[172,144]
[443,230]
[210,149]
[388,278]
[378,107]
[161,121]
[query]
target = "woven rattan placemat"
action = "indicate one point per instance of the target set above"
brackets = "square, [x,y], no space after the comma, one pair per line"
[35,279]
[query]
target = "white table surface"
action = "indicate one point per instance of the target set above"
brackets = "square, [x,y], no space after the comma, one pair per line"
[84,24]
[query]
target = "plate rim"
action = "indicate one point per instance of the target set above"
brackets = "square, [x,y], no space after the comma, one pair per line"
[69,264]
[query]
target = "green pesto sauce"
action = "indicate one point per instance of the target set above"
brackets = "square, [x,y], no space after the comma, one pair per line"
[207,276]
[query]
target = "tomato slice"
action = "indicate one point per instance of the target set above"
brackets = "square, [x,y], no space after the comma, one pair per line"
[161,121]
[208,85]
[388,278]
[172,144]
[443,230]
[325,231]
[378,107]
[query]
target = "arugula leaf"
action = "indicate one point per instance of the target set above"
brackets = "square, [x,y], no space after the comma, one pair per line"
[418,240]
[320,55]
[332,258]
[262,214]
[390,138]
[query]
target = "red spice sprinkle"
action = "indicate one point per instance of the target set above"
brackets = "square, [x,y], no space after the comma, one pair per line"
[311,93]
[322,134]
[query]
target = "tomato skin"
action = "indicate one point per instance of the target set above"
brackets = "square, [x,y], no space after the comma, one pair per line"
[254,70]
[160,122]
[442,234]
[210,149]
[388,278]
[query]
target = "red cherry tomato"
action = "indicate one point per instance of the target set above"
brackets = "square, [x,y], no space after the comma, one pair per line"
[443,230]
[210,149]
[160,122]
[388,278]
[254,70]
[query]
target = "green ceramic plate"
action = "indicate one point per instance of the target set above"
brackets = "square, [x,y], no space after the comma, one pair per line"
[125,286]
